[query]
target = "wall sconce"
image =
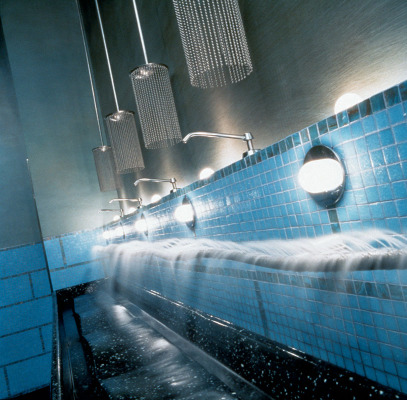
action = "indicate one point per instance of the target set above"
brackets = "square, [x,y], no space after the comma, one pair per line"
[206,173]
[155,197]
[185,213]
[323,175]
[141,225]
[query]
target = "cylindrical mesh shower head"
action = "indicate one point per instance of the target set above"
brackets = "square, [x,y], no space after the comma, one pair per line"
[105,168]
[156,106]
[214,41]
[124,140]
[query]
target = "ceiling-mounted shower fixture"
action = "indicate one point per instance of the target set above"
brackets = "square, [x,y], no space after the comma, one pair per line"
[214,41]
[323,175]
[155,101]
[173,182]
[121,127]
[247,137]
[102,155]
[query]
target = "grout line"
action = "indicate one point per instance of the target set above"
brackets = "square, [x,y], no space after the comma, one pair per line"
[42,339]
[24,302]
[26,330]
[7,382]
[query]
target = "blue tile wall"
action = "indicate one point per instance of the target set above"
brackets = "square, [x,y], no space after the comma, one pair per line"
[356,320]
[71,260]
[25,320]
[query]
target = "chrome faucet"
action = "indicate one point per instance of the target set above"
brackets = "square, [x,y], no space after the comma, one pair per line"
[247,137]
[173,182]
[114,210]
[138,200]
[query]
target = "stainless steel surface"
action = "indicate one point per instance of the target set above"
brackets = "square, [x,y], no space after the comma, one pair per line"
[214,41]
[247,137]
[173,182]
[155,101]
[105,168]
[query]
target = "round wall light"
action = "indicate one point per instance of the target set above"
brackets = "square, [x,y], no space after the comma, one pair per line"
[206,173]
[185,213]
[323,175]
[155,197]
[141,225]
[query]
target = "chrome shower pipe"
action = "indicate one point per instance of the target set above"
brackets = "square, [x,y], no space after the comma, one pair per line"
[173,182]
[91,79]
[107,55]
[138,200]
[140,31]
[247,137]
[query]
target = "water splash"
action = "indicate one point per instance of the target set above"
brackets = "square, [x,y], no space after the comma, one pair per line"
[372,249]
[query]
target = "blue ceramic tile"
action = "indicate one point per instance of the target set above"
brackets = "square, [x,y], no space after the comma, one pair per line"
[353,113]
[342,118]
[377,102]
[395,172]
[313,132]
[382,120]
[372,194]
[369,125]
[396,114]
[391,96]
[21,378]
[385,192]
[26,315]
[40,283]
[365,108]
[377,158]
[20,346]
[21,259]
[403,91]
[322,127]
[357,130]
[373,141]
[296,139]
[332,123]
[400,133]
[386,137]
[15,290]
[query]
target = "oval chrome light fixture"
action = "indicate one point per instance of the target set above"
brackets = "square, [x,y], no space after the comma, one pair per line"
[346,101]
[323,175]
[185,213]
[155,197]
[206,173]
[141,225]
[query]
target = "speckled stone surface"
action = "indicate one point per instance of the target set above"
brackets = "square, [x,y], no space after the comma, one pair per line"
[131,360]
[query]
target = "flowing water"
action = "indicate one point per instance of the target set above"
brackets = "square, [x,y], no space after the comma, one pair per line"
[371,249]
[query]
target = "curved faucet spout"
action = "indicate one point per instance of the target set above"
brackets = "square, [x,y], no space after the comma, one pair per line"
[247,137]
[173,182]
[138,200]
